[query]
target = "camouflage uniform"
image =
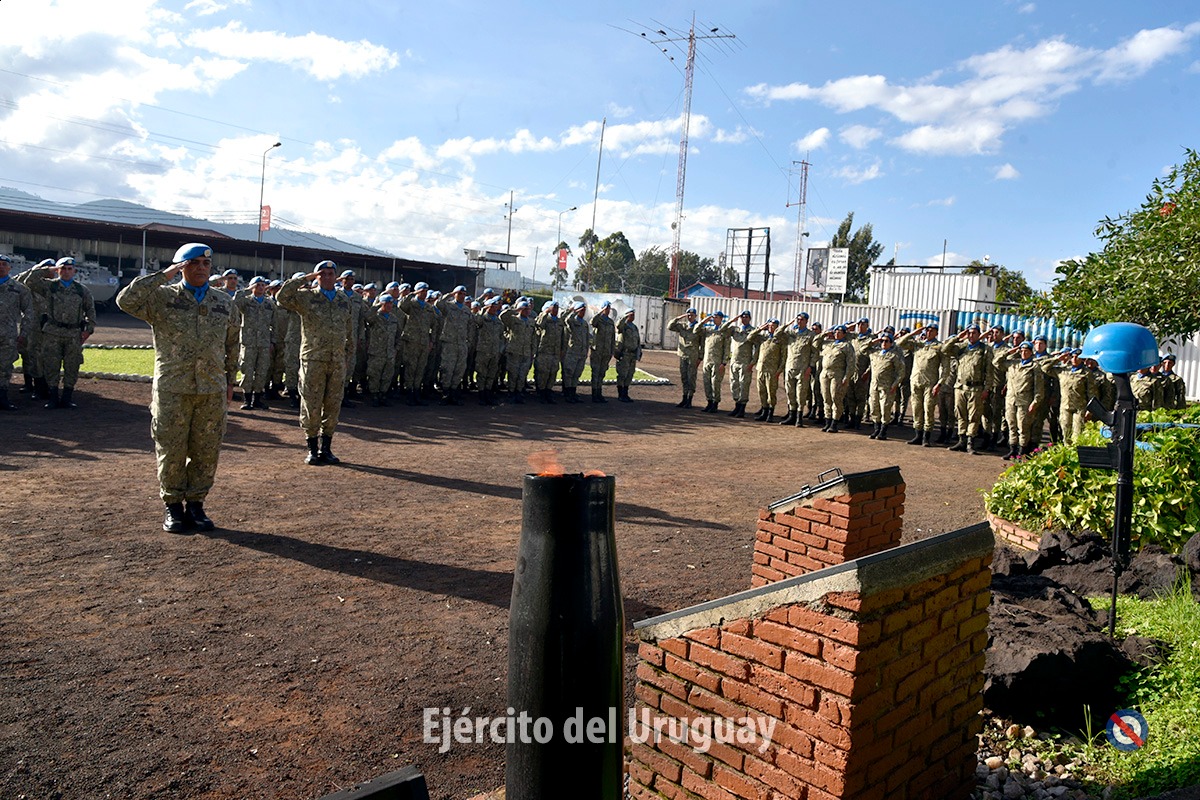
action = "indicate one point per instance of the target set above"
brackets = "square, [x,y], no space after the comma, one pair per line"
[16,318]
[1174,390]
[279,335]
[382,331]
[1026,387]
[945,397]
[996,410]
[1106,387]
[489,341]
[231,341]
[457,330]
[1076,386]
[801,352]
[628,351]
[887,373]
[688,350]
[548,332]
[187,405]
[70,312]
[575,351]
[771,351]
[518,353]
[741,360]
[326,331]
[416,339]
[604,341]
[1146,390]
[925,376]
[31,353]
[976,375]
[714,339]
[291,354]
[254,316]
[858,388]
[357,349]
[838,362]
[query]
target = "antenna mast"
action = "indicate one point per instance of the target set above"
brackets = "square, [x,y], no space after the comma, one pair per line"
[801,220]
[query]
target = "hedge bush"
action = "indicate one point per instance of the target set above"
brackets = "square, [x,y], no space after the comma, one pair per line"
[1050,491]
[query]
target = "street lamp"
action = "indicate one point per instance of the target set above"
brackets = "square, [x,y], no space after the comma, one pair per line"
[262,184]
[560,216]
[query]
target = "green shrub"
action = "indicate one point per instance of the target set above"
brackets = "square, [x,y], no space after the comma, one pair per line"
[1049,490]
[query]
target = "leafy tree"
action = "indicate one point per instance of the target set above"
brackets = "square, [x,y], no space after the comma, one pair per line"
[1011,286]
[1149,269]
[651,272]
[606,263]
[864,252]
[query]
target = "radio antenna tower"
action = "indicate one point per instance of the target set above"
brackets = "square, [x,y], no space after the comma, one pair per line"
[800,167]
[663,40]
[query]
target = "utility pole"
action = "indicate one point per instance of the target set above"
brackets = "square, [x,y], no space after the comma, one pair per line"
[659,38]
[801,221]
[511,210]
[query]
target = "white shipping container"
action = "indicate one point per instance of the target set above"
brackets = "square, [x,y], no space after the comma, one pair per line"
[941,291]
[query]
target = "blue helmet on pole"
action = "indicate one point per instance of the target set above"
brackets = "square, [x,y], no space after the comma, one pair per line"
[1121,347]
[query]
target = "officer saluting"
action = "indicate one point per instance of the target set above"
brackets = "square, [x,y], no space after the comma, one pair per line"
[187,404]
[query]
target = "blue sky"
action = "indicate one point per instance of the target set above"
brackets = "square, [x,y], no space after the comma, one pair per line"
[1006,129]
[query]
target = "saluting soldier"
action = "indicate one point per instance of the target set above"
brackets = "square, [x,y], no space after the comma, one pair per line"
[628,352]
[741,361]
[687,347]
[549,336]
[227,282]
[279,326]
[16,317]
[714,339]
[1174,388]
[358,331]
[604,341]
[31,352]
[798,338]
[1146,389]
[924,380]
[69,320]
[858,390]
[489,342]
[838,364]
[771,349]
[383,329]
[255,312]
[1026,392]
[190,321]
[519,350]
[291,352]
[326,336]
[457,329]
[578,333]
[947,423]
[976,378]
[887,372]
[417,338]
[1076,386]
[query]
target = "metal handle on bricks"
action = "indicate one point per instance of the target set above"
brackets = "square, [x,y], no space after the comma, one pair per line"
[565,641]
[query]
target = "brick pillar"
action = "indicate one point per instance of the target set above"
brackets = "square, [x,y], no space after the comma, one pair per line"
[833,522]
[871,673]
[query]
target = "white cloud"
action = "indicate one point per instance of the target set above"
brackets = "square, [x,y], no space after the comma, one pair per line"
[323,57]
[942,201]
[814,140]
[619,112]
[737,136]
[204,8]
[1007,173]
[951,259]
[855,175]
[999,89]
[1027,8]
[859,136]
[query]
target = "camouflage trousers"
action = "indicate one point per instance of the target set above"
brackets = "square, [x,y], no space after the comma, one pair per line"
[453,366]
[1020,421]
[626,366]
[487,367]
[924,407]
[232,347]
[598,361]
[968,407]
[278,358]
[256,367]
[833,391]
[739,382]
[322,384]
[883,403]
[8,356]
[687,375]
[545,370]
[518,372]
[381,367]
[795,386]
[1070,417]
[945,405]
[291,364]
[65,352]
[713,375]
[768,387]
[416,354]
[858,395]
[572,368]
[31,353]
[187,430]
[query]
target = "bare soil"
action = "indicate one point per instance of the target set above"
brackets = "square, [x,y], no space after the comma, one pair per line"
[291,652]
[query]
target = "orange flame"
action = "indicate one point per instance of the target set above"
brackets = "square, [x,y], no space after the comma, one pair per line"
[545,464]
[593,473]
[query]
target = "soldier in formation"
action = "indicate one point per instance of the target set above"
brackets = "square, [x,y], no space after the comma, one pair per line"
[67,322]
[604,343]
[688,349]
[255,314]
[771,351]
[800,353]
[16,317]
[628,352]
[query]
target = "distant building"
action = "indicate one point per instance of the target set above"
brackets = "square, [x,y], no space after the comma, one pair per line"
[705,289]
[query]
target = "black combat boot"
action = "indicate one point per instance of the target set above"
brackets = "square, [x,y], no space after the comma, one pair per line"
[825,427]
[687,400]
[623,395]
[41,389]
[65,401]
[799,419]
[293,398]
[960,444]
[248,401]
[313,459]
[176,519]
[1014,450]
[875,430]
[195,510]
[833,426]
[770,414]
[761,414]
[598,395]
[518,398]
[790,418]
[682,403]
[326,454]
[927,439]
[51,397]
[260,400]
[918,435]
[882,432]
[971,445]
[941,439]
[736,408]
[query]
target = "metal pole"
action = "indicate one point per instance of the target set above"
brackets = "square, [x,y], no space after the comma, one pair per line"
[508,247]
[262,185]
[1124,434]
[599,157]
[749,240]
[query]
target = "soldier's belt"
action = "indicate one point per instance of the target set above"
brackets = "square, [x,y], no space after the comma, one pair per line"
[969,386]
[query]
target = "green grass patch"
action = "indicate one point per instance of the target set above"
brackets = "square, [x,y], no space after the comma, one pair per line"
[1167,694]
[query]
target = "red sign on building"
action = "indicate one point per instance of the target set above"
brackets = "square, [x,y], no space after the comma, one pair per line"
[264,218]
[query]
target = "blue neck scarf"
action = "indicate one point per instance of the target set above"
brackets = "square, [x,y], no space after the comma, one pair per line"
[330,295]
[197,291]
[260,299]
[4,280]
[66,283]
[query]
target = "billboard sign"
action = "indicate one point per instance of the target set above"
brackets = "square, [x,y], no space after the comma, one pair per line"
[839,270]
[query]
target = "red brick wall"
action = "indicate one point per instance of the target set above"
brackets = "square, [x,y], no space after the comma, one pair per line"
[1013,533]
[815,532]
[876,693]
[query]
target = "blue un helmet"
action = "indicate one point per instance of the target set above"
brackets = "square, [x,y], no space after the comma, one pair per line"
[65,262]
[190,251]
[1121,347]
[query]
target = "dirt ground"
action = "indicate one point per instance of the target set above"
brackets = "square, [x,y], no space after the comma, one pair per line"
[291,652]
